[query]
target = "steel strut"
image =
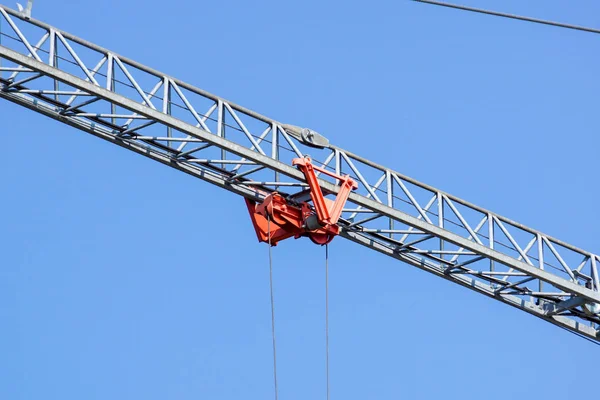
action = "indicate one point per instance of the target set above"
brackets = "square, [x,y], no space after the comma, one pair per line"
[318,222]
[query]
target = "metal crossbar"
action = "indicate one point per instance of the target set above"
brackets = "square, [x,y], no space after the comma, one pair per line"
[133,106]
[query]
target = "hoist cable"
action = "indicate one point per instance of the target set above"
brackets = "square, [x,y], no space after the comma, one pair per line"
[327,316]
[511,16]
[272,308]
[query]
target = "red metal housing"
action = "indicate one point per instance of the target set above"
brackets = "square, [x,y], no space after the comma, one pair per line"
[276,218]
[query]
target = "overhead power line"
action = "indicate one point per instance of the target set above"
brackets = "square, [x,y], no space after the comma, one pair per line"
[511,16]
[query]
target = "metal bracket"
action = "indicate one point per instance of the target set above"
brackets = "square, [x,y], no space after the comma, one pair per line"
[553,309]
[307,136]
[26,12]
[275,219]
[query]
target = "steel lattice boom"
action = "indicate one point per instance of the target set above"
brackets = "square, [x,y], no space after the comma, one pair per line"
[97,91]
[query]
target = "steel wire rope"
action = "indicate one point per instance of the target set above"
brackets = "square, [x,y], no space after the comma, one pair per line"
[1,33]
[272,308]
[327,316]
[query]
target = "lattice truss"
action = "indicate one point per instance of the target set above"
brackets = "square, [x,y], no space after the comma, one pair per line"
[128,104]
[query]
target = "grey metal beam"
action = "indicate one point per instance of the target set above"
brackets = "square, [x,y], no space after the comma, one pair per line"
[472,284]
[292,172]
[245,169]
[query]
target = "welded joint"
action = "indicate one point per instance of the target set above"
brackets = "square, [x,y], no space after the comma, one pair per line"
[592,309]
[551,309]
[460,266]
[514,285]
[451,269]
[26,11]
[307,136]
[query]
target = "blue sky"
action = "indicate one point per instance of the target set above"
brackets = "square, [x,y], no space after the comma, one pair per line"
[125,279]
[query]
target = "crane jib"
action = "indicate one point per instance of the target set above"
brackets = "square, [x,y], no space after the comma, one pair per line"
[83,85]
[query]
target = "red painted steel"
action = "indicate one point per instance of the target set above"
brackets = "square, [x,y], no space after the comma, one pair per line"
[276,219]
